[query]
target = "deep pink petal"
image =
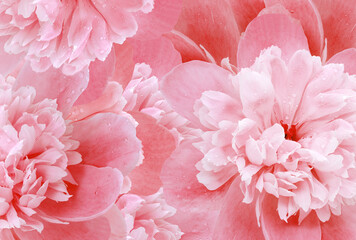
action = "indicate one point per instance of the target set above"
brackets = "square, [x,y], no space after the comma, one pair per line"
[346,57]
[339,18]
[99,74]
[185,84]
[96,192]
[237,219]
[245,11]
[158,53]
[275,228]
[197,207]
[308,15]
[340,227]
[187,48]
[210,23]
[161,20]
[54,84]
[95,229]
[267,30]
[158,144]
[107,139]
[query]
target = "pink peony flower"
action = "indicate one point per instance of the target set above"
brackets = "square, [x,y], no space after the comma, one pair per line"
[70,34]
[58,175]
[146,217]
[277,156]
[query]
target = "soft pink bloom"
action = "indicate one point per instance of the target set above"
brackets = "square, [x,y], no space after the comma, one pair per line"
[277,156]
[59,175]
[70,34]
[146,217]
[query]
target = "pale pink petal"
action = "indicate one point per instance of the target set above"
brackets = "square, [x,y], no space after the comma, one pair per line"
[54,84]
[275,228]
[158,53]
[339,19]
[245,11]
[346,57]
[99,74]
[267,30]
[97,135]
[96,192]
[162,19]
[8,61]
[340,227]
[208,22]
[95,229]
[236,219]
[158,144]
[308,15]
[197,207]
[190,80]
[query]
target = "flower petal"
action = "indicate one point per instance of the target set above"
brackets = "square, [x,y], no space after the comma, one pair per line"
[208,22]
[275,228]
[185,84]
[97,135]
[346,57]
[95,229]
[158,144]
[54,84]
[237,219]
[96,192]
[267,30]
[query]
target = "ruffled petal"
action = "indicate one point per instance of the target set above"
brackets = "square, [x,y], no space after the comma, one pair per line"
[96,192]
[346,57]
[97,135]
[54,84]
[185,84]
[267,30]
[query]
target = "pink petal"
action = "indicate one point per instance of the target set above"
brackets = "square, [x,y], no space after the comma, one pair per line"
[161,20]
[275,228]
[99,73]
[208,22]
[158,53]
[158,144]
[124,64]
[245,11]
[267,30]
[97,191]
[54,84]
[95,229]
[108,139]
[185,84]
[197,207]
[8,61]
[308,15]
[346,57]
[187,48]
[340,227]
[339,19]
[237,219]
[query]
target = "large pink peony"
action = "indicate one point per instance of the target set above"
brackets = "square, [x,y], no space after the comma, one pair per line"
[59,175]
[70,34]
[277,156]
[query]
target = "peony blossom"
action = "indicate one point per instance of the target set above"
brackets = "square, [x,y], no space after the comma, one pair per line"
[56,180]
[277,153]
[71,34]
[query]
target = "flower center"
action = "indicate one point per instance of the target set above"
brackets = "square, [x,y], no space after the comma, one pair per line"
[290,132]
